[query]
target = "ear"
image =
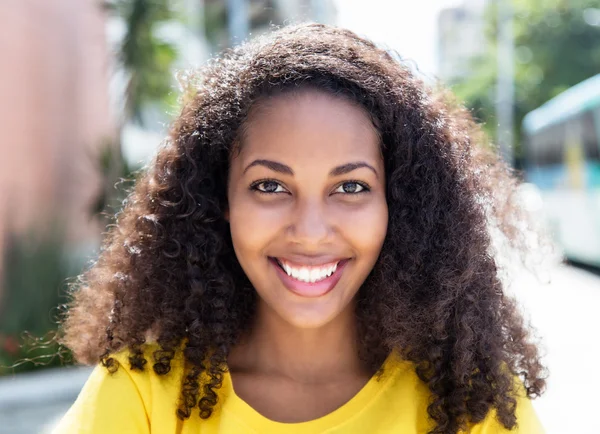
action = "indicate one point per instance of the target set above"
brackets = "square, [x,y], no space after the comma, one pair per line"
[226,213]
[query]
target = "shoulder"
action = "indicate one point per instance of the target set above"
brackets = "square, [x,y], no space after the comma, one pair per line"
[125,399]
[527,420]
[146,380]
[403,386]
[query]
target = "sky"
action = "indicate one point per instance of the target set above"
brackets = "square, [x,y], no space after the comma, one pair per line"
[409,27]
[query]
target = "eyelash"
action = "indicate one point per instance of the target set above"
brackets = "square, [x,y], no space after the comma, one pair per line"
[364,185]
[255,184]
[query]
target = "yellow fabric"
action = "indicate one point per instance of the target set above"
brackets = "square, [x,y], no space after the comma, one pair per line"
[143,402]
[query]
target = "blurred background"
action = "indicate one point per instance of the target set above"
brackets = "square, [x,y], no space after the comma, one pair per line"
[88,88]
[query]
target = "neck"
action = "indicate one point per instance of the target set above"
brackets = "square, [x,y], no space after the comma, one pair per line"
[276,347]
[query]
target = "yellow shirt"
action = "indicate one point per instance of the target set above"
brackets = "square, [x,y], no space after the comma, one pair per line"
[143,402]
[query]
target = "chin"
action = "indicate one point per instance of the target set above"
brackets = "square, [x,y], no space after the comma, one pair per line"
[313,315]
[308,322]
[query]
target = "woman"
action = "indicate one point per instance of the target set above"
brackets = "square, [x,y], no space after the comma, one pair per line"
[309,252]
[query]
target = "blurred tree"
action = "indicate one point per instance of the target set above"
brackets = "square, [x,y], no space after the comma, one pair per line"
[147,61]
[36,264]
[556,47]
[146,58]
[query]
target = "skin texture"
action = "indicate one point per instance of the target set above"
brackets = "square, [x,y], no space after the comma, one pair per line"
[169,269]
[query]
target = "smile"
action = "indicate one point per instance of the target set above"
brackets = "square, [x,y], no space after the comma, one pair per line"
[307,280]
[309,274]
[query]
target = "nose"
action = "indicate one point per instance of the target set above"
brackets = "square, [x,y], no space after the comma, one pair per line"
[310,225]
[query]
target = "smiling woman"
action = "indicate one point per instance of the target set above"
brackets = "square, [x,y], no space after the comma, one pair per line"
[309,252]
[307,146]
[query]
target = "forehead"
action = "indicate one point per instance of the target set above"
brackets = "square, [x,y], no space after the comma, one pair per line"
[310,124]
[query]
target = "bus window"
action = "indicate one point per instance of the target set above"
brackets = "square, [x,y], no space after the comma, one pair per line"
[547,146]
[590,135]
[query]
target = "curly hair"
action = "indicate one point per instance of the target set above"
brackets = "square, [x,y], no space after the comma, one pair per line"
[167,270]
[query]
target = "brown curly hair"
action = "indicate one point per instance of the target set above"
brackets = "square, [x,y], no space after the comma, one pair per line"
[167,271]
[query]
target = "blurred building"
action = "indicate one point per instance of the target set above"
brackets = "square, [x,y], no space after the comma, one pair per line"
[461,33]
[54,114]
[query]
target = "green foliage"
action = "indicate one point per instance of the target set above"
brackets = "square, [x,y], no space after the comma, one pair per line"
[147,59]
[36,269]
[556,47]
[34,284]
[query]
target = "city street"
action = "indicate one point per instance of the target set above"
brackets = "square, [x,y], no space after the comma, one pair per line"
[565,312]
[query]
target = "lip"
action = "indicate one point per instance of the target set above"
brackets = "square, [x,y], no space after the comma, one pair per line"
[306,289]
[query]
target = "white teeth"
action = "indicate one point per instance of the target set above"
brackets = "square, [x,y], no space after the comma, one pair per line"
[307,274]
[315,275]
[304,274]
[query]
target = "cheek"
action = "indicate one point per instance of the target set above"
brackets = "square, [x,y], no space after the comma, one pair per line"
[366,228]
[252,225]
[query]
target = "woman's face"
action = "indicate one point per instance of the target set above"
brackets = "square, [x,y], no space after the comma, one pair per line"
[307,205]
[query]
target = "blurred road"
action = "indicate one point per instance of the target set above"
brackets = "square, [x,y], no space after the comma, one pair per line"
[566,313]
[32,403]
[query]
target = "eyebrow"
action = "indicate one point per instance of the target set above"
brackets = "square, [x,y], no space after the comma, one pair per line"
[273,165]
[287,170]
[349,167]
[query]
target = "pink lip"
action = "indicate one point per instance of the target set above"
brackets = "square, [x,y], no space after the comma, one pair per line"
[305,289]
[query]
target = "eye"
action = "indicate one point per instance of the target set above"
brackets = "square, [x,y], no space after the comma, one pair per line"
[267,186]
[352,187]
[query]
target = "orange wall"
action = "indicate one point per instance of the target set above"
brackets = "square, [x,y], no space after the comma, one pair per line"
[54,111]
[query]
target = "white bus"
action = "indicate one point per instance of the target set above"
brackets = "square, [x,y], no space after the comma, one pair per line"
[562,158]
